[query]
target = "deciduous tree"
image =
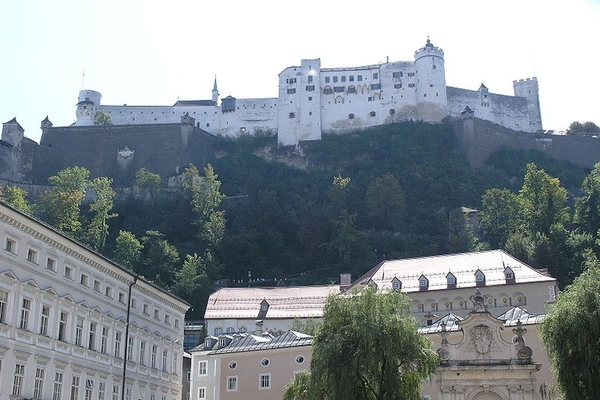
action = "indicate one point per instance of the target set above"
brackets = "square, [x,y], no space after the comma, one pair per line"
[587,208]
[571,334]
[386,201]
[128,250]
[17,197]
[96,231]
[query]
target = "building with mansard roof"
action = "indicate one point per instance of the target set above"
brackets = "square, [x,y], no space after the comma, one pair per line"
[74,324]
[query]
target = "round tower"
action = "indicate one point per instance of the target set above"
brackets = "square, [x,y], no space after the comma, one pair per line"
[87,105]
[432,104]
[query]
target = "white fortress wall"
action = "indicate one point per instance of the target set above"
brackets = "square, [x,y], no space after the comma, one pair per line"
[124,115]
[249,115]
[508,111]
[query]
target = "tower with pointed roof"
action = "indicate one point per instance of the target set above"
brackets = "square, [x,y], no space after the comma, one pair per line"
[215,93]
[12,132]
[431,83]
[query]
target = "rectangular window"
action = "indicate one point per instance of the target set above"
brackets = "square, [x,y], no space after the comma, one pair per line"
[84,280]
[156,314]
[128,393]
[143,353]
[335,79]
[115,392]
[232,384]
[310,88]
[50,264]
[359,78]
[130,349]
[411,85]
[397,86]
[96,286]
[375,75]
[74,388]
[89,389]
[10,245]
[26,306]
[79,331]
[411,74]
[145,309]
[202,393]
[167,319]
[397,75]
[344,78]
[164,360]
[122,297]
[92,336]
[3,306]
[351,78]
[68,272]
[108,291]
[376,86]
[62,326]
[291,91]
[104,341]
[44,320]
[57,390]
[327,79]
[18,379]
[32,256]
[38,385]
[101,390]
[264,381]
[338,89]
[153,356]
[118,339]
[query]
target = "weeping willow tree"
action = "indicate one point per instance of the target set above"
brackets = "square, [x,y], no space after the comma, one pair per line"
[368,348]
[571,334]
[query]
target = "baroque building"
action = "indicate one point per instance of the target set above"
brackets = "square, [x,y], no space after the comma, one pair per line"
[313,100]
[74,325]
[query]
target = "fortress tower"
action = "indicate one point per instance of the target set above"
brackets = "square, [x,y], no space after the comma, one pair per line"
[12,132]
[431,83]
[528,88]
[88,103]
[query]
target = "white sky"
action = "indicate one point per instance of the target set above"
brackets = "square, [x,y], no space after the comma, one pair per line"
[150,52]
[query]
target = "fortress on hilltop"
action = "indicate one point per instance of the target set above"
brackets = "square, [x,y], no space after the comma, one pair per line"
[313,101]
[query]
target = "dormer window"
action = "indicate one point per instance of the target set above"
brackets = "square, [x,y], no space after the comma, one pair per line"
[264,308]
[509,275]
[423,283]
[479,278]
[451,280]
[396,284]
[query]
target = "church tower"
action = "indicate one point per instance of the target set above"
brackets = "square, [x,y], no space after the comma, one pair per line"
[432,104]
[215,93]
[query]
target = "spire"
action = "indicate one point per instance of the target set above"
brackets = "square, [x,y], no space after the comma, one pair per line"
[215,85]
[215,93]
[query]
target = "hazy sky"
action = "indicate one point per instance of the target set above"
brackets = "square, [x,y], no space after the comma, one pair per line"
[147,52]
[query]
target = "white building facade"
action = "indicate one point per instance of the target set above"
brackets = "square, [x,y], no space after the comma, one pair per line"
[65,324]
[313,100]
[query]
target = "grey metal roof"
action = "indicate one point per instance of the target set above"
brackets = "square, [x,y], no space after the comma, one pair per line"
[249,342]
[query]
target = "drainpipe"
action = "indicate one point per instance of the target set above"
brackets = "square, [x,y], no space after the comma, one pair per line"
[126,342]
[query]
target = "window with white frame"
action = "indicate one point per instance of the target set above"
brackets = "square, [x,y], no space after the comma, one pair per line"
[89,389]
[202,393]
[97,285]
[108,291]
[62,326]
[115,392]
[74,388]
[51,264]
[44,320]
[32,256]
[118,340]
[232,383]
[92,336]
[153,356]
[18,379]
[25,308]
[101,390]
[84,280]
[264,381]
[202,368]
[3,306]
[104,341]
[142,353]
[130,349]
[38,384]
[165,357]
[79,331]
[68,272]
[10,245]
[57,388]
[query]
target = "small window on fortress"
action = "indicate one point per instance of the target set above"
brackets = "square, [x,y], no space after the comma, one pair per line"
[397,86]
[351,78]
[375,75]
[310,88]
[411,85]
[327,90]
[343,78]
[359,78]
[335,79]
[292,115]
[392,111]
[350,116]
[327,79]
[291,91]
[351,89]
[243,129]
[434,67]
[310,79]
[372,113]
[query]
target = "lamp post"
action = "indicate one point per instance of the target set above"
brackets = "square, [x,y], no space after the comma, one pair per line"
[135,277]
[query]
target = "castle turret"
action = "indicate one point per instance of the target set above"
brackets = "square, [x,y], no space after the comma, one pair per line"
[529,89]
[12,132]
[88,103]
[215,93]
[46,125]
[431,83]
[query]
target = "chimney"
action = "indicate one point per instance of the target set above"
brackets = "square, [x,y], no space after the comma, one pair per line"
[345,281]
[258,330]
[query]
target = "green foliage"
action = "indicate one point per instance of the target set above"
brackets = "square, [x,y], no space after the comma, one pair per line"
[159,259]
[17,197]
[571,334]
[146,180]
[368,347]
[102,118]
[308,326]
[587,207]
[501,215]
[61,205]
[192,283]
[386,202]
[96,231]
[128,250]
[586,129]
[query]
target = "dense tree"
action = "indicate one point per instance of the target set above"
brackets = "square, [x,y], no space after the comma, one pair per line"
[17,197]
[146,180]
[571,334]
[587,208]
[128,250]
[386,201]
[347,242]
[61,205]
[583,129]
[159,260]
[102,118]
[543,200]
[368,348]
[96,231]
[500,215]
[193,284]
